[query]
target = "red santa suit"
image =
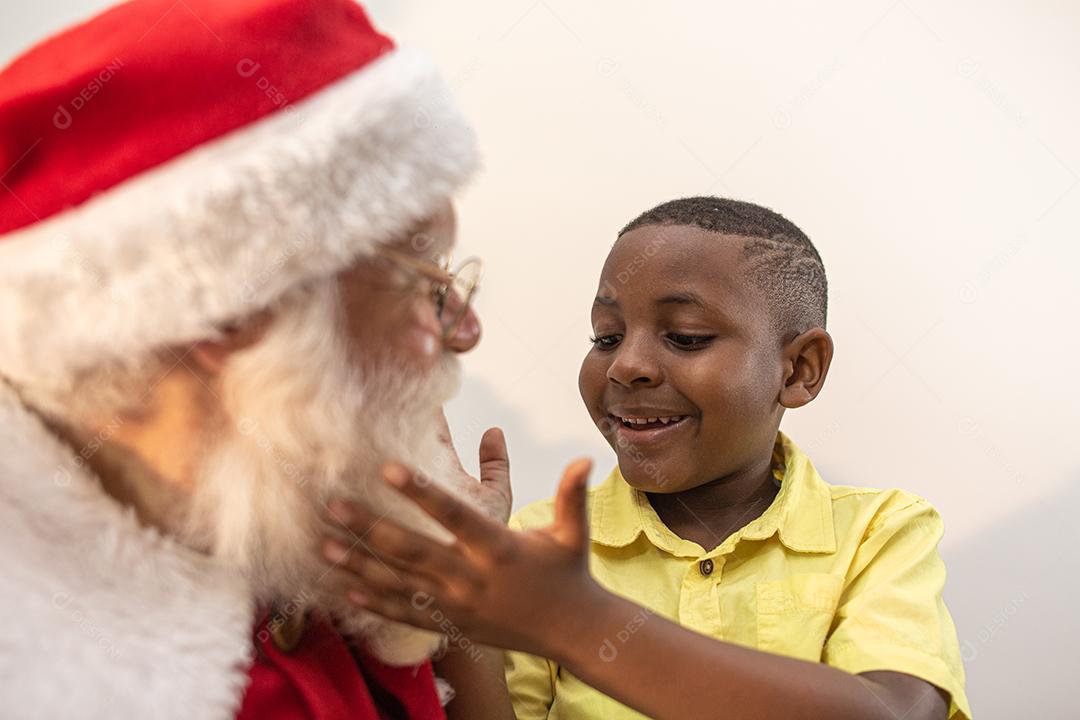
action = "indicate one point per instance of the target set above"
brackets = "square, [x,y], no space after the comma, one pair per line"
[167,167]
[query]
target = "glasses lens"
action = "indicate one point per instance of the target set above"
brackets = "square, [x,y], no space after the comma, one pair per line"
[458,296]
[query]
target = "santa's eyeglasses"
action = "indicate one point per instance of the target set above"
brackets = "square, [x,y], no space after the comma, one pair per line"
[451,291]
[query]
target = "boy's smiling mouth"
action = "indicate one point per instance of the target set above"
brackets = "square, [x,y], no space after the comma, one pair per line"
[646,426]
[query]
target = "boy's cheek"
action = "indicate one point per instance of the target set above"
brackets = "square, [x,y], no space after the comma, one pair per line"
[591,380]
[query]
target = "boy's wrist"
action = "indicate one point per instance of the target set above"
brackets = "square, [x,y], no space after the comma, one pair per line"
[571,635]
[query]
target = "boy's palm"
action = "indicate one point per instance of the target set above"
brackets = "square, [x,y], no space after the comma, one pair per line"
[492,493]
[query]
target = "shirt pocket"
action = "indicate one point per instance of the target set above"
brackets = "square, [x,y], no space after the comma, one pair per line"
[795,613]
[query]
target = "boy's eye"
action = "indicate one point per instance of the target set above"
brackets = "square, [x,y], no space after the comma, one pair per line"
[605,342]
[689,342]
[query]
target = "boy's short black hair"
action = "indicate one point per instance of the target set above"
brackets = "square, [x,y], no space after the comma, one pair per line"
[783,262]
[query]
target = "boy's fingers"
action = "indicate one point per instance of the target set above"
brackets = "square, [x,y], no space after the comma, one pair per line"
[415,611]
[391,543]
[468,525]
[376,577]
[571,517]
[495,460]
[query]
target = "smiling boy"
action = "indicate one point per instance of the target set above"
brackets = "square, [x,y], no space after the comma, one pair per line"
[715,573]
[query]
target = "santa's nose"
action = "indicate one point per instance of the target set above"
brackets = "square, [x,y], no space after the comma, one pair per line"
[467,334]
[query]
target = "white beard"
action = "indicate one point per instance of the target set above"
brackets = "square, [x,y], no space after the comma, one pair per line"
[306,428]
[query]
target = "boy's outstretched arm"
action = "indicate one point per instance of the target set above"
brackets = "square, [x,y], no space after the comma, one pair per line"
[479,682]
[532,591]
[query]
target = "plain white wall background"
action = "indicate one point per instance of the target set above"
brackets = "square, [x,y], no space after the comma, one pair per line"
[929,150]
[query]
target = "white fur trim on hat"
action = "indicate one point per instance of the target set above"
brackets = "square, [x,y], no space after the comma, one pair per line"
[227,227]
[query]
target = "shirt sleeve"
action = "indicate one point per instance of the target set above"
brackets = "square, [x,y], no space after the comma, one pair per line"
[530,679]
[891,615]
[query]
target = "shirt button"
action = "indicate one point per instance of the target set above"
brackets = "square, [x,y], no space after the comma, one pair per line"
[706,567]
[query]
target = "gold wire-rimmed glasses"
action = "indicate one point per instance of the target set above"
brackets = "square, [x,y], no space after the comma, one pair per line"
[451,291]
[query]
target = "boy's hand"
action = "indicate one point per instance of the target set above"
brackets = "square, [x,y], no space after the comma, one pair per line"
[492,493]
[497,586]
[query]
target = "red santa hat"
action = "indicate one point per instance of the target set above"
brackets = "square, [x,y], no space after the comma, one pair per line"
[166,167]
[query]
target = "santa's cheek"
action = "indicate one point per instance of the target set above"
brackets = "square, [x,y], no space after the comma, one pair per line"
[419,345]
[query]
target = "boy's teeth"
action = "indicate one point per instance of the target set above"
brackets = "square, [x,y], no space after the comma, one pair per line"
[646,421]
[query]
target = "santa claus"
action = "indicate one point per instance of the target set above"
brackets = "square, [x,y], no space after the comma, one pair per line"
[223,303]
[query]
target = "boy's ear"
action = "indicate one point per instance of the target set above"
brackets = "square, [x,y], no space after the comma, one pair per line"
[806,363]
[212,355]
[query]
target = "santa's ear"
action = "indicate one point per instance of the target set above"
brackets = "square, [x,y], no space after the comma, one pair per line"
[212,355]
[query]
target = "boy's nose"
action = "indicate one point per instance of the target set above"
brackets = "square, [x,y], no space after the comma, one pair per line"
[631,367]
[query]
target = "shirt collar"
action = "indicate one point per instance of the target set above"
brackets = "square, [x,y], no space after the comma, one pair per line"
[801,512]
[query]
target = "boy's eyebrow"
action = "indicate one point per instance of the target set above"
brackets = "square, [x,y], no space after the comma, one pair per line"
[683,298]
[686,297]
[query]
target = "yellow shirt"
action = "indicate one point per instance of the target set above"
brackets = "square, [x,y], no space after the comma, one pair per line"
[847,576]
